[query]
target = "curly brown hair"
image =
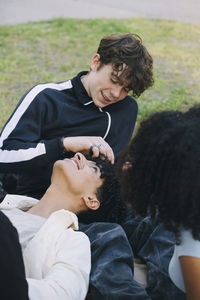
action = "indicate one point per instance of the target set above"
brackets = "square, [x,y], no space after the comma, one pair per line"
[128,56]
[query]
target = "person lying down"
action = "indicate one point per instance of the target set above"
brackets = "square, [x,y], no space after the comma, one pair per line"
[56,255]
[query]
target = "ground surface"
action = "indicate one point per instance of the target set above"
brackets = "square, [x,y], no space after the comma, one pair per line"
[20,11]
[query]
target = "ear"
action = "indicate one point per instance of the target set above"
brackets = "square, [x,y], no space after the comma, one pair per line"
[91,202]
[95,62]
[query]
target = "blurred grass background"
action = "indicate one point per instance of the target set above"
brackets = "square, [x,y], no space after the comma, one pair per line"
[56,50]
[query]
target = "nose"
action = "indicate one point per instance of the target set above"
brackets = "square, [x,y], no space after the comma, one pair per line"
[81,158]
[115,92]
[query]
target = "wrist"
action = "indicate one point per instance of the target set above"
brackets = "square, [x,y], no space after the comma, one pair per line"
[63,148]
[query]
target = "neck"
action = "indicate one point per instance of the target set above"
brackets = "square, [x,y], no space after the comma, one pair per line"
[84,80]
[52,201]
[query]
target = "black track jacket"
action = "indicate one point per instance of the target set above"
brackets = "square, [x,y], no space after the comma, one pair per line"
[30,140]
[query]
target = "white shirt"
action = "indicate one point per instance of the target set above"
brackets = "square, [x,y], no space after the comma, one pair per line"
[26,224]
[188,247]
[57,259]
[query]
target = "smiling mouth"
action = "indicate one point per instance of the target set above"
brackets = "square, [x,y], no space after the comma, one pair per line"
[107,100]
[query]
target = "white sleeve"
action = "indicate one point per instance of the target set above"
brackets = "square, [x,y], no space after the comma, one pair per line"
[68,277]
[189,246]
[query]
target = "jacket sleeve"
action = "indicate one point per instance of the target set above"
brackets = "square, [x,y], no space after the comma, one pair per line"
[21,142]
[68,278]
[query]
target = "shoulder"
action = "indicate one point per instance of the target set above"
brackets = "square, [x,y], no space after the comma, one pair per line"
[128,102]
[73,241]
[59,86]
[189,246]
[76,236]
[43,91]
[66,223]
[48,87]
[127,105]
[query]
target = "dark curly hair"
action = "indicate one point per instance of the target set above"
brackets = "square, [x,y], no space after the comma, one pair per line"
[111,209]
[120,49]
[163,177]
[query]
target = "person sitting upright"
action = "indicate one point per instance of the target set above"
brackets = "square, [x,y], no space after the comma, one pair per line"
[56,120]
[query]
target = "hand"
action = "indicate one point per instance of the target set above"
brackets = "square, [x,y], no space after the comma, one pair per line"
[85,144]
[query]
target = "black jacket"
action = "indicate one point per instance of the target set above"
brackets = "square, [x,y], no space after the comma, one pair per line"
[12,272]
[30,140]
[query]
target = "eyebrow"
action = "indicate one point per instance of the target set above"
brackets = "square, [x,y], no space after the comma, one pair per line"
[119,81]
[94,164]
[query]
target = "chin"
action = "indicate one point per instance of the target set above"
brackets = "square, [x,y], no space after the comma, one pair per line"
[97,103]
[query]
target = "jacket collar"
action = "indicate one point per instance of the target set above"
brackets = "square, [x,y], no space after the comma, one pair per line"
[25,203]
[79,90]
[82,95]
[17,201]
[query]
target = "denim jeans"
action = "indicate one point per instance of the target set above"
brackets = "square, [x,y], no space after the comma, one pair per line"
[113,250]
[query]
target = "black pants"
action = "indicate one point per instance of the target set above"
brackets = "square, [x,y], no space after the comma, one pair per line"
[13,284]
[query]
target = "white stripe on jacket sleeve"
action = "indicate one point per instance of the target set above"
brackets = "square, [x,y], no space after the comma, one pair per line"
[26,154]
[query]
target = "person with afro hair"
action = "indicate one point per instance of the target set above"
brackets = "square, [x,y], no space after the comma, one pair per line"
[161,179]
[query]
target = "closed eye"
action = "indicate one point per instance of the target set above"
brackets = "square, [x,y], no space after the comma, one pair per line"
[95,168]
[114,81]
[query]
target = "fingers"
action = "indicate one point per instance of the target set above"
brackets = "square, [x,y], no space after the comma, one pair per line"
[107,151]
[96,146]
[94,151]
[102,150]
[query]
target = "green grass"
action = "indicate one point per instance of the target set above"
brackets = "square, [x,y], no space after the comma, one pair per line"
[58,49]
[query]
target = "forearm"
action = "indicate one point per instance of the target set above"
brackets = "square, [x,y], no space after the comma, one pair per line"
[17,156]
[94,145]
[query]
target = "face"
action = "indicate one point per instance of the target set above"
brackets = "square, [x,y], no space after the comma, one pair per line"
[103,85]
[80,176]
